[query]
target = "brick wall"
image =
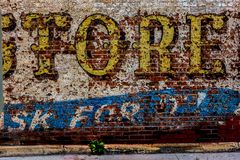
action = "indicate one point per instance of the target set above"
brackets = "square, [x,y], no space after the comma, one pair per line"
[121,71]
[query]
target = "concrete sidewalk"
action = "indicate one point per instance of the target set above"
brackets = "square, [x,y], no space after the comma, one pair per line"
[6,151]
[176,156]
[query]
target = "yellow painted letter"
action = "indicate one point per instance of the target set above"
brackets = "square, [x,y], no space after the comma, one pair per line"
[146,47]
[47,45]
[81,43]
[197,43]
[9,48]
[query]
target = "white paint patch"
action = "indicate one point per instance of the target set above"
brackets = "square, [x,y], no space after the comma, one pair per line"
[134,110]
[112,112]
[41,120]
[2,121]
[237,111]
[21,122]
[79,117]
[201,97]
[174,106]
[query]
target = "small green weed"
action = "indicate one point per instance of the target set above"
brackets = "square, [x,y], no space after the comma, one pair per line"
[96,147]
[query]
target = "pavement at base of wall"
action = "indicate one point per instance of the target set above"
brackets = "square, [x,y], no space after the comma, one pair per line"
[172,156]
[116,149]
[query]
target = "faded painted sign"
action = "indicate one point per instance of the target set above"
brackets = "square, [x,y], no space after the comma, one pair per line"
[79,64]
[124,108]
[48,44]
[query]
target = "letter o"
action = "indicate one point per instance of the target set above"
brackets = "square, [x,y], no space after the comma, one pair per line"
[81,36]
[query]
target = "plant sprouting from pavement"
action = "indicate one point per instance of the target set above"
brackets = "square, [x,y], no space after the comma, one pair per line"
[96,147]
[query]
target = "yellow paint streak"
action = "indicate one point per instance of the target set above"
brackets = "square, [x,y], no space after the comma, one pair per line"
[44,64]
[41,23]
[114,33]
[7,57]
[8,48]
[146,47]
[6,21]
[197,44]
[60,20]
[30,21]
